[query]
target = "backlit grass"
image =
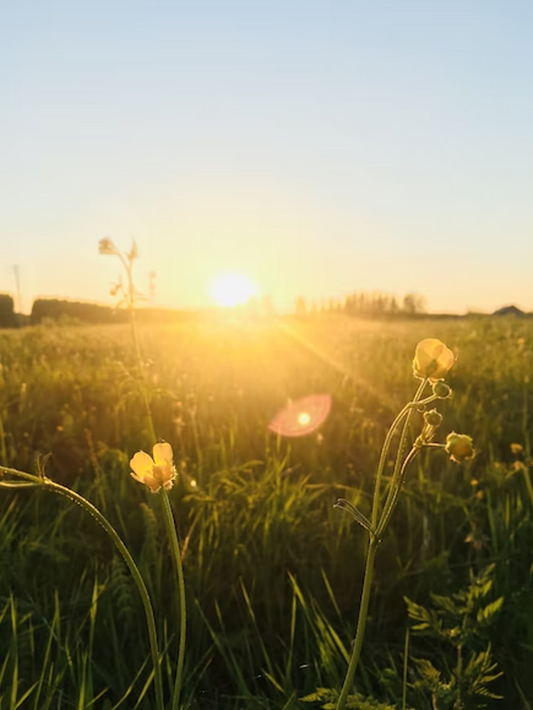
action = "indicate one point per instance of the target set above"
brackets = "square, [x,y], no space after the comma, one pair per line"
[273,572]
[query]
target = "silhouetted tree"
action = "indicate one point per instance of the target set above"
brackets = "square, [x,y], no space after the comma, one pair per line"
[7,312]
[413,304]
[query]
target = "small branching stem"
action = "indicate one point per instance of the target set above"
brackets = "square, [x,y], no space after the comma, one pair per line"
[128,264]
[388,510]
[386,446]
[403,438]
[375,534]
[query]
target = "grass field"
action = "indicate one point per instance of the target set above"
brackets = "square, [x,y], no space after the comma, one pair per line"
[273,572]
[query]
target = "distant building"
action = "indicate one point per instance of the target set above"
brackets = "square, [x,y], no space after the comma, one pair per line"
[509,311]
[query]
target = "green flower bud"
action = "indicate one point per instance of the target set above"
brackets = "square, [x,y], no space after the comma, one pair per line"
[441,390]
[433,418]
[459,446]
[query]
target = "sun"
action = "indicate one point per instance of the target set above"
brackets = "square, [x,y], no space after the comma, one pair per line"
[232,289]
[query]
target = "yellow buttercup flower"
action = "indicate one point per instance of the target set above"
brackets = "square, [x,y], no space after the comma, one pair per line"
[432,359]
[157,471]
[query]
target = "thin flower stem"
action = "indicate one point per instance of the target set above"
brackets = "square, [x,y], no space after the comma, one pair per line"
[401,445]
[171,529]
[47,484]
[374,538]
[361,623]
[386,446]
[405,660]
[389,509]
[136,343]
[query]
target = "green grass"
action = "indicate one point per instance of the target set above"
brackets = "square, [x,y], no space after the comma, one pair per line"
[273,572]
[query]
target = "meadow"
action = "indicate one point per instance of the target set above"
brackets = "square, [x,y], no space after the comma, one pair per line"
[273,571]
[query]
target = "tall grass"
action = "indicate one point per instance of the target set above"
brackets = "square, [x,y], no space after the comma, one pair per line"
[273,572]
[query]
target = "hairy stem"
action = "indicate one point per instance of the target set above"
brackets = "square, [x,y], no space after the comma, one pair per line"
[361,623]
[374,536]
[171,529]
[386,446]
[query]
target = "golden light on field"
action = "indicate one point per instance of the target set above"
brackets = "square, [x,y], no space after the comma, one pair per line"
[232,289]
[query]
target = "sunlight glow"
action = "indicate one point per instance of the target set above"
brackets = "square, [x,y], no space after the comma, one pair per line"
[302,416]
[304,419]
[232,289]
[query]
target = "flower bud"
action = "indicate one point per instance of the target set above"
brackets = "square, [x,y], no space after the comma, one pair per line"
[459,446]
[441,390]
[433,418]
[432,359]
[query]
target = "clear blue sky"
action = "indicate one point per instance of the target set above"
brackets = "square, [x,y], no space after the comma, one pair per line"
[319,147]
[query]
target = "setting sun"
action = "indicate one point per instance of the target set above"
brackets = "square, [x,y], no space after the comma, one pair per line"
[232,289]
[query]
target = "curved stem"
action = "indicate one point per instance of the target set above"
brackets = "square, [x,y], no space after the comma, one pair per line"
[171,529]
[405,413]
[361,623]
[401,444]
[386,446]
[390,505]
[47,484]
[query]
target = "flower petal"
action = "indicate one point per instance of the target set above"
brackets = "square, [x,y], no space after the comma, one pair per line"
[142,463]
[163,454]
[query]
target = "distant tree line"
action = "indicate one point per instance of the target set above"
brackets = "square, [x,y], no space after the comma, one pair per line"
[56,309]
[359,304]
[60,310]
[8,318]
[364,305]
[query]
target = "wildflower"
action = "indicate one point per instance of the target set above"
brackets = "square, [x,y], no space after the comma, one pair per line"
[432,359]
[516,449]
[459,446]
[154,472]
[106,246]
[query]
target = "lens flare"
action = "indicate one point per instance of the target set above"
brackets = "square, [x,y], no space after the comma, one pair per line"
[302,416]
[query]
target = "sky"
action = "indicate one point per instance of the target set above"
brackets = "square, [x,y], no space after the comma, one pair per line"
[319,148]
